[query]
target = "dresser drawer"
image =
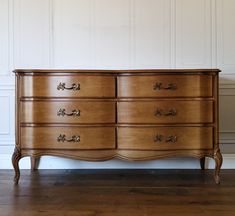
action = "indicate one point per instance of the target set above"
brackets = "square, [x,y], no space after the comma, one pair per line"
[170,111]
[68,112]
[165,86]
[68,137]
[165,138]
[68,86]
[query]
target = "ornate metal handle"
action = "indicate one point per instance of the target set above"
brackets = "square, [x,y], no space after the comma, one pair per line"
[170,112]
[159,86]
[62,138]
[62,112]
[161,138]
[74,87]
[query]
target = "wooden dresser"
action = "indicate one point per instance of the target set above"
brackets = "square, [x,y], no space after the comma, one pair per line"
[96,115]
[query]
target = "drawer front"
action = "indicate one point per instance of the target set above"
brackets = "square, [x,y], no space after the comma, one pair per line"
[68,138]
[165,138]
[68,86]
[165,86]
[67,112]
[172,111]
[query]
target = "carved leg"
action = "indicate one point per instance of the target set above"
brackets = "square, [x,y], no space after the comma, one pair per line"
[15,162]
[202,162]
[218,162]
[34,163]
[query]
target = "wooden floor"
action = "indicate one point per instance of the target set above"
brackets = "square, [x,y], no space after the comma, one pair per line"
[117,192]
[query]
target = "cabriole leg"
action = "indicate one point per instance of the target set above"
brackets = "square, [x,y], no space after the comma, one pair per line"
[202,162]
[34,163]
[15,162]
[218,162]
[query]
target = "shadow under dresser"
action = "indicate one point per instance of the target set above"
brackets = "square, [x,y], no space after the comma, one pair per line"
[135,115]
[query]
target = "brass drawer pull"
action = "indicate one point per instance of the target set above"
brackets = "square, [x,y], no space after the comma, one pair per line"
[161,138]
[74,87]
[159,86]
[62,112]
[172,138]
[62,138]
[170,112]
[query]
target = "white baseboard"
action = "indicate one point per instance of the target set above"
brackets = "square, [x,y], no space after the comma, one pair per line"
[49,162]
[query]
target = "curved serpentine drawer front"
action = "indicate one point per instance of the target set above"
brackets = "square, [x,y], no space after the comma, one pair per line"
[165,86]
[89,112]
[68,86]
[81,138]
[171,111]
[165,138]
[130,114]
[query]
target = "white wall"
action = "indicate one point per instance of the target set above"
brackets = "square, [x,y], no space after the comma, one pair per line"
[117,34]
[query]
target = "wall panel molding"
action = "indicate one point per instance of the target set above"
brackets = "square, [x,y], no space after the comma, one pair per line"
[151,21]
[72,39]
[227,118]
[227,91]
[32,34]
[111,33]
[213,6]
[8,81]
[225,35]
[227,137]
[5,115]
[117,34]
[227,84]
[193,34]
[5,38]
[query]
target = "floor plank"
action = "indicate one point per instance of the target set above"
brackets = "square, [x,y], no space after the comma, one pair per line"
[117,192]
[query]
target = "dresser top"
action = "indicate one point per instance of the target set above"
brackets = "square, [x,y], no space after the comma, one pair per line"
[178,71]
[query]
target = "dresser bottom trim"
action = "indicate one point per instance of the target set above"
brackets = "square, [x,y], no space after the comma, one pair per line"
[129,155]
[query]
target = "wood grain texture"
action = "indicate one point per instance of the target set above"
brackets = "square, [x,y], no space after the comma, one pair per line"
[88,112]
[145,138]
[217,154]
[34,162]
[117,115]
[46,86]
[186,86]
[124,154]
[117,192]
[46,137]
[16,156]
[101,71]
[157,112]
